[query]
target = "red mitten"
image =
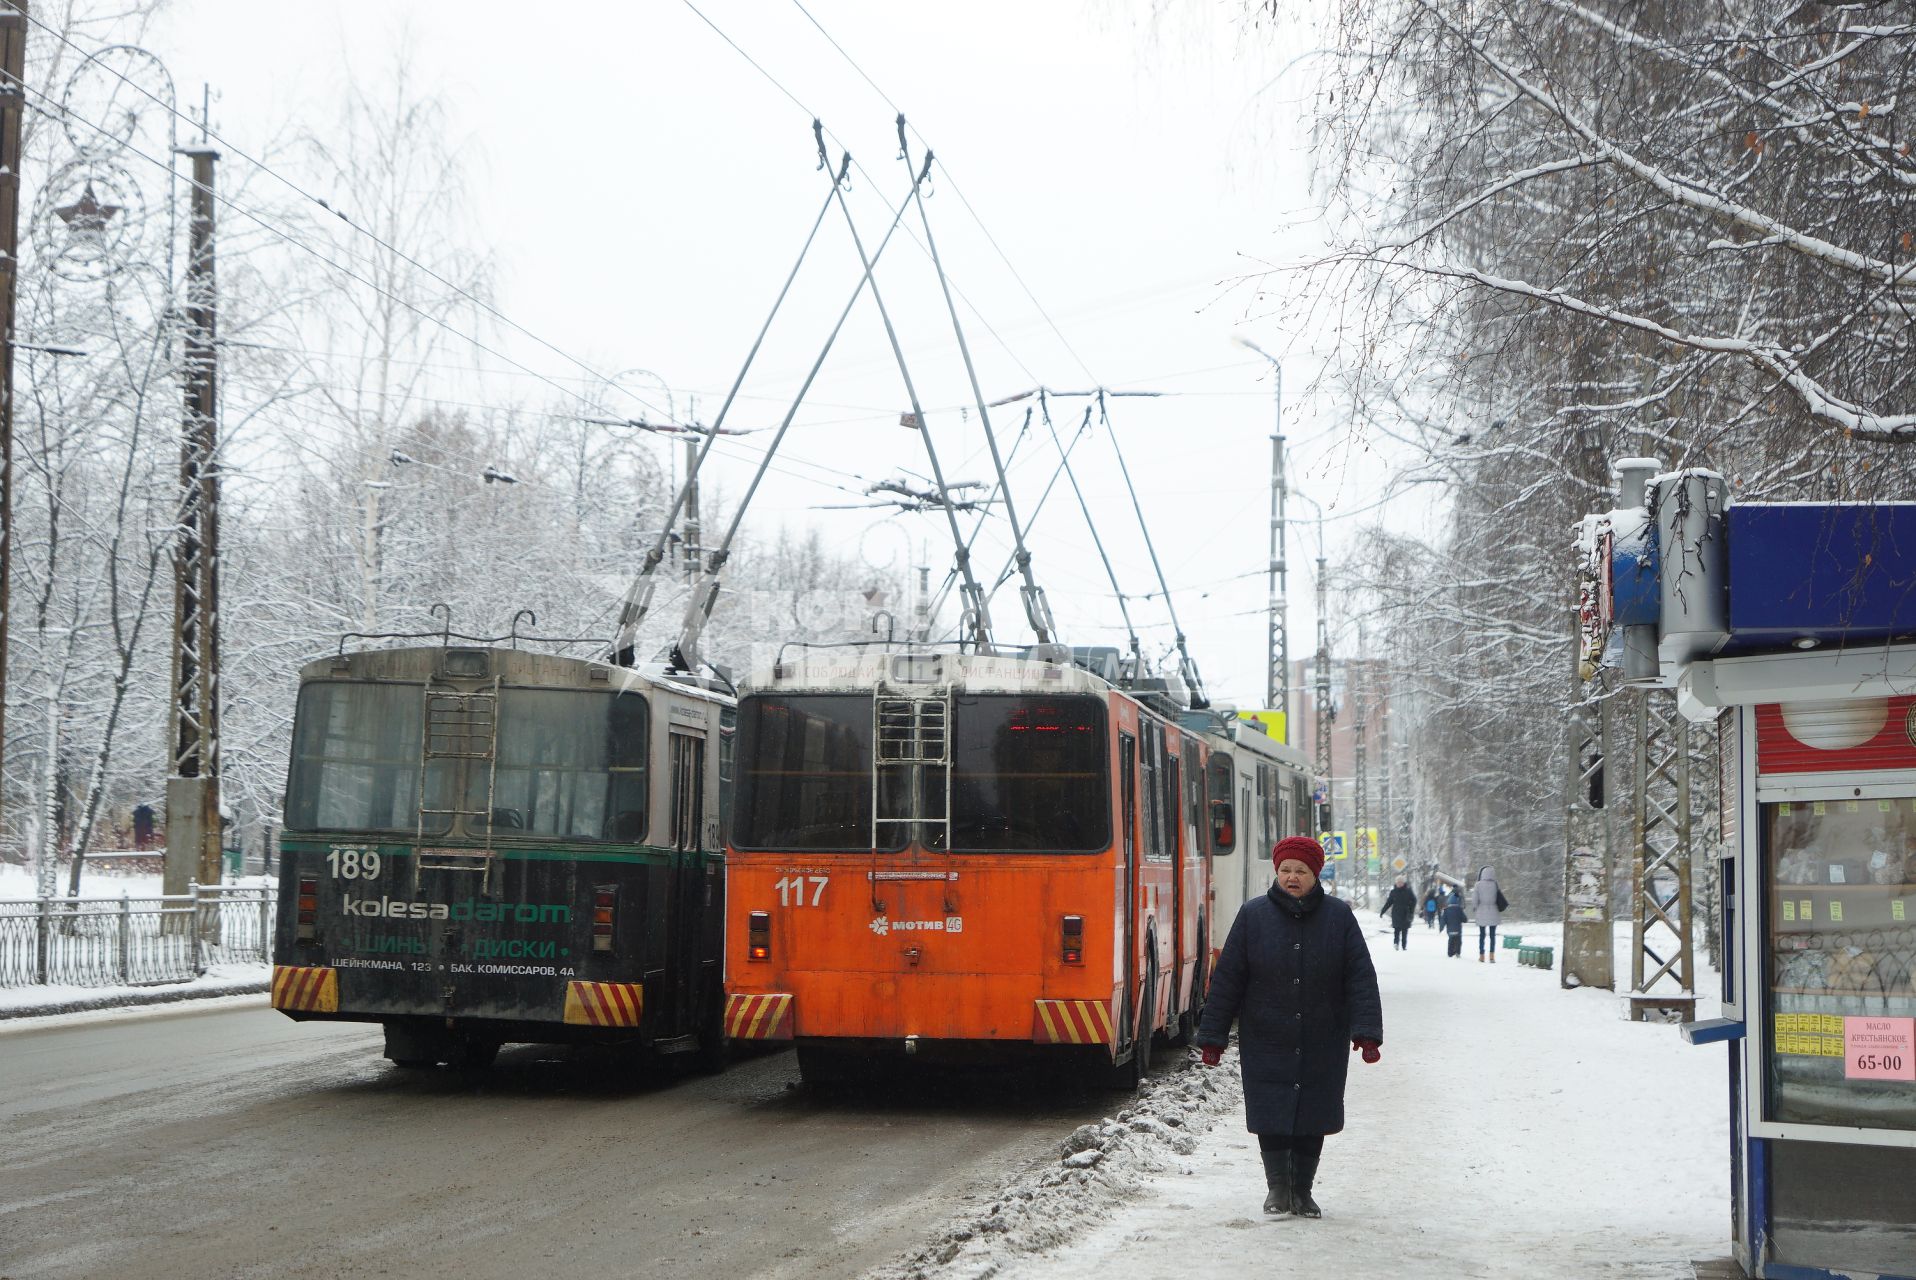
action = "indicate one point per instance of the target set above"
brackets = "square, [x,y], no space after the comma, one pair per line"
[1212,1053]
[1372,1049]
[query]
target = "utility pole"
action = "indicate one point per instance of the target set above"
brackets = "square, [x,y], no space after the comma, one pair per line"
[1359,683]
[13,58]
[193,788]
[1388,848]
[694,558]
[1661,944]
[1588,946]
[921,608]
[1321,765]
[1277,657]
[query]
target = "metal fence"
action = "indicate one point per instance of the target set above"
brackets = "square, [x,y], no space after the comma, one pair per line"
[134,941]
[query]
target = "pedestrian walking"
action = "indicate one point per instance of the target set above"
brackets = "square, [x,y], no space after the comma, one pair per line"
[1402,905]
[1454,919]
[1296,977]
[1487,906]
[1432,906]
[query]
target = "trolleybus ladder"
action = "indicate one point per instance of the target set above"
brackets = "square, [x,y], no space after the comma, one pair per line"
[911,765]
[458,726]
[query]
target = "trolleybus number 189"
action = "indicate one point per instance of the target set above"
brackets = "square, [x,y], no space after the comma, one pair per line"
[353,864]
[791,890]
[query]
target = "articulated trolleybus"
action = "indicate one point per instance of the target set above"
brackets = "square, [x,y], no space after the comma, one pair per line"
[967,857]
[485,845]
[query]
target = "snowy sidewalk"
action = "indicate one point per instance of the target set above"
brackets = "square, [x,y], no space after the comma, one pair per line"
[1513,1129]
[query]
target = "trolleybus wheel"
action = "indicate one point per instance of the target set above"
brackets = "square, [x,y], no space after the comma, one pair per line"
[1188,1020]
[1130,1075]
[713,1051]
[469,1054]
[414,1048]
[822,1068]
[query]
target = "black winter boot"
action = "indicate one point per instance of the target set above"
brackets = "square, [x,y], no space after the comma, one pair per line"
[1277,1178]
[1305,1165]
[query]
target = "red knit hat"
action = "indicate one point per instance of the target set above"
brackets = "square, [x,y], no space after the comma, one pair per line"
[1301,849]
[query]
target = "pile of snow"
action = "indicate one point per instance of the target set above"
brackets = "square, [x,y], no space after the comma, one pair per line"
[1099,1166]
[39,1002]
[100,880]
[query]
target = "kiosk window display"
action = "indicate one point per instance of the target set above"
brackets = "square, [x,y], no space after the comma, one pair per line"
[1836,1072]
[1842,925]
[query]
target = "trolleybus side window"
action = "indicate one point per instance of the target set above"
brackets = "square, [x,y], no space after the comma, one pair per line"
[1267,788]
[356,755]
[1128,771]
[1219,775]
[1169,805]
[728,764]
[807,781]
[1148,782]
[688,791]
[571,764]
[1028,775]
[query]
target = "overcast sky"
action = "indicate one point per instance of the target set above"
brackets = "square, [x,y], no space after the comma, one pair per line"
[644,191]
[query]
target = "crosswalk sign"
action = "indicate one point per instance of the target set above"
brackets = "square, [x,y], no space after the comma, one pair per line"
[1334,846]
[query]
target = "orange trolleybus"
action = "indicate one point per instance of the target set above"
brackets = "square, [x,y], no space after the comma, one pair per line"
[965,857]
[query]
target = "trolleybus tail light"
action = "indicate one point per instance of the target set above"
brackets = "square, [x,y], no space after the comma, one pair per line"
[308,910]
[758,936]
[604,900]
[1074,939]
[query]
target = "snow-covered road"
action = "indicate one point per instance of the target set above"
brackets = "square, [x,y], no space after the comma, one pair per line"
[1513,1129]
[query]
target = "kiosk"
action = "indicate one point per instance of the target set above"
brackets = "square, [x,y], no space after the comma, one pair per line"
[1791,627]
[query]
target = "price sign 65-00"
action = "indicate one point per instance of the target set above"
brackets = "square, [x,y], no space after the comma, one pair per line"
[1879,1048]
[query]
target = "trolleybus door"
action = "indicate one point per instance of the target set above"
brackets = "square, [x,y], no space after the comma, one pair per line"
[1128,773]
[1173,787]
[688,872]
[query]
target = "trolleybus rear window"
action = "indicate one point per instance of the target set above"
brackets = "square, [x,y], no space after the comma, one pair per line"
[806,776]
[571,766]
[356,756]
[1029,775]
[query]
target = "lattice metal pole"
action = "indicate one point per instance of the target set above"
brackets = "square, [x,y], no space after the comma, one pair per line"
[1360,808]
[192,790]
[1662,959]
[13,45]
[1387,846]
[1277,656]
[1321,763]
[1589,945]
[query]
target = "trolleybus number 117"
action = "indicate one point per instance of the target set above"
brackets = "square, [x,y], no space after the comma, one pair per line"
[791,890]
[353,864]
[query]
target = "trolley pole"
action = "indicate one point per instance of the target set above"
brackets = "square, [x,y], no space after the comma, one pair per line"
[193,789]
[13,57]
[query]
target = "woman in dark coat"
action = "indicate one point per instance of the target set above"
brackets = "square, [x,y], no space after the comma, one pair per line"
[1402,905]
[1297,978]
